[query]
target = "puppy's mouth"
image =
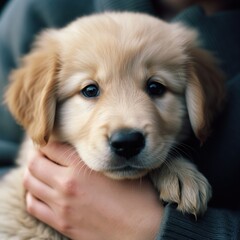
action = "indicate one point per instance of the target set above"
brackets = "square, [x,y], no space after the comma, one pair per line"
[126,172]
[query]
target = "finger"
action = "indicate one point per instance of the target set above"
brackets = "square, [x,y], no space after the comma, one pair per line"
[62,154]
[39,189]
[46,214]
[45,170]
[40,210]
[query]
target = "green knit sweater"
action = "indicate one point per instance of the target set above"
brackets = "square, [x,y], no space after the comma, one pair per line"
[219,159]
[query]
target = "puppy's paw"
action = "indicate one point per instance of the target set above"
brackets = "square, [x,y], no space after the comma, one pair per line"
[180,182]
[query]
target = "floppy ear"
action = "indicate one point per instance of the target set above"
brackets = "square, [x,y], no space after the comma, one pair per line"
[205,91]
[31,95]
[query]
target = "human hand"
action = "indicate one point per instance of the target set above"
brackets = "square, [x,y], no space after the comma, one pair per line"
[82,204]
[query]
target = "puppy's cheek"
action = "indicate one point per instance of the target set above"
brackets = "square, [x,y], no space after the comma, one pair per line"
[156,153]
[71,120]
[173,113]
[96,157]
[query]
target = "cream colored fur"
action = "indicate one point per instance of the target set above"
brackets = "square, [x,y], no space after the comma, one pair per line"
[118,52]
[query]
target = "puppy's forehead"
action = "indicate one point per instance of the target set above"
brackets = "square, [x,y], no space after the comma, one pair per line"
[114,45]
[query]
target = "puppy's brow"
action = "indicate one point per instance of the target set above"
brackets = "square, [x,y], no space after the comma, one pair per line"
[174,80]
[71,85]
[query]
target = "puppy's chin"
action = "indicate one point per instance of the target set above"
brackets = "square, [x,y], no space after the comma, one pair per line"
[126,173]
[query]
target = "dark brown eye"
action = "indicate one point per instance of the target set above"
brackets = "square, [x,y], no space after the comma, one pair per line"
[155,89]
[90,91]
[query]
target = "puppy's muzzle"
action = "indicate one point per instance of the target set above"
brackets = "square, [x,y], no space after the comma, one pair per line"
[127,143]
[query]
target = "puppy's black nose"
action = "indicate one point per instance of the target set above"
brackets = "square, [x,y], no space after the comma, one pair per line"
[127,142]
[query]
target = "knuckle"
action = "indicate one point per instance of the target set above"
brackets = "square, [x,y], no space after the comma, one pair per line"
[29,205]
[30,208]
[69,187]
[32,165]
[63,227]
[65,209]
[25,179]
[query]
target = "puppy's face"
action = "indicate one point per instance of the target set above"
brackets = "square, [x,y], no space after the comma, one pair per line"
[123,98]
[123,92]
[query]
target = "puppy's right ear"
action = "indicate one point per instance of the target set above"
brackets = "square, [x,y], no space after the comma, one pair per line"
[31,95]
[205,93]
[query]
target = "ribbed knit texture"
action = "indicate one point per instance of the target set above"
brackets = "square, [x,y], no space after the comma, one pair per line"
[214,225]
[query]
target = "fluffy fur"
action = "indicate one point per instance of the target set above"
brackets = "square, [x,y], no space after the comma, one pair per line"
[118,56]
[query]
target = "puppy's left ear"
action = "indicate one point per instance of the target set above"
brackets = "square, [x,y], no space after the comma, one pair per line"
[205,92]
[31,95]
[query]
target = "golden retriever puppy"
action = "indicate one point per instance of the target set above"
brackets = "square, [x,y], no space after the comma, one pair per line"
[124,89]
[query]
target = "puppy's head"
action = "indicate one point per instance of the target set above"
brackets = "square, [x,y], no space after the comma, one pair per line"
[120,87]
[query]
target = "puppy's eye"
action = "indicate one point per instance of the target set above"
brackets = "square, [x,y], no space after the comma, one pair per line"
[90,91]
[155,89]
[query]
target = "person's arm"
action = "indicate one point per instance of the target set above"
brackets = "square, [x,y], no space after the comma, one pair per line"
[77,201]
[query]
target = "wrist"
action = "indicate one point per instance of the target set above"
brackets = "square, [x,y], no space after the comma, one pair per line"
[152,225]
[148,225]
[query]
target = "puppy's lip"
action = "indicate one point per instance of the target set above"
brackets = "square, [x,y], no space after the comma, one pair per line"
[127,167]
[126,172]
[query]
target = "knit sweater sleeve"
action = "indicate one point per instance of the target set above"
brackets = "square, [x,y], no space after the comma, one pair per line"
[216,224]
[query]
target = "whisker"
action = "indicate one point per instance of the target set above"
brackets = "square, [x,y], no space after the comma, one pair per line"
[90,172]
[76,167]
[182,148]
[85,170]
[66,156]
